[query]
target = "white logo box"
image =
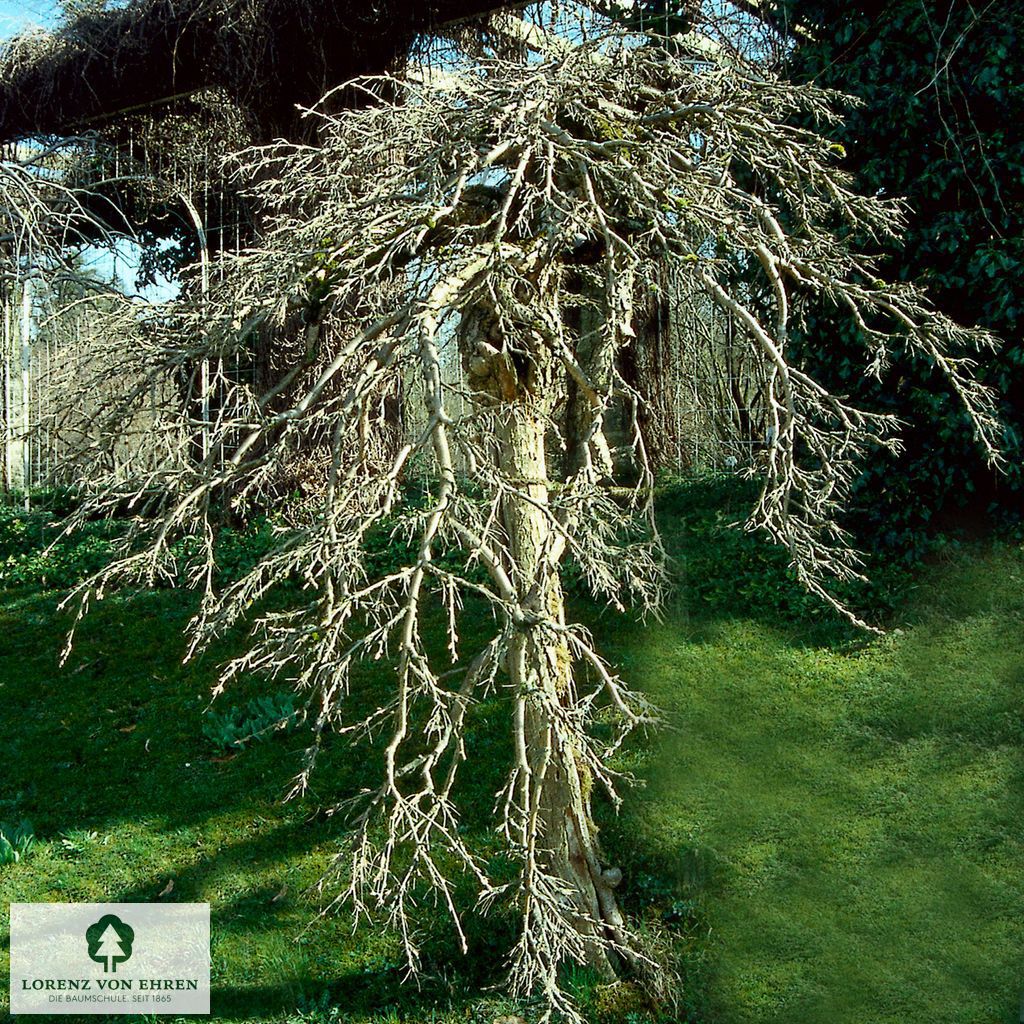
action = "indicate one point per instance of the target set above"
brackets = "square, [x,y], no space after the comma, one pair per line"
[110,958]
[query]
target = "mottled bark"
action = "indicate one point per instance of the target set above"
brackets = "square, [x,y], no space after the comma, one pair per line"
[558,787]
[585,410]
[561,837]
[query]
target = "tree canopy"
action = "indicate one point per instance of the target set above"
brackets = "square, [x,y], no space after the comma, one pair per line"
[267,56]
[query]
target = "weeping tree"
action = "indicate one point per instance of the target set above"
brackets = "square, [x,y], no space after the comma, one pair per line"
[479,243]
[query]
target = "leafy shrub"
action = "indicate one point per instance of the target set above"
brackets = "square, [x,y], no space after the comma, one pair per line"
[260,718]
[76,842]
[727,569]
[33,552]
[238,551]
[16,842]
[394,543]
[315,1009]
[964,237]
[62,565]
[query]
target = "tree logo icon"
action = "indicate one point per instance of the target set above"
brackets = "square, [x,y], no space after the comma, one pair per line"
[110,942]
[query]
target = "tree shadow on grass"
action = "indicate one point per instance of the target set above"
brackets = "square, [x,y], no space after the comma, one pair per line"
[856,806]
[112,744]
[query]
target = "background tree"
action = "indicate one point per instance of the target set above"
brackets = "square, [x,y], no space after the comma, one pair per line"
[508,216]
[45,222]
[266,56]
[940,121]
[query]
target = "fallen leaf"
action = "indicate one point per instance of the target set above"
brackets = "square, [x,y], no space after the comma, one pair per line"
[128,728]
[281,895]
[167,889]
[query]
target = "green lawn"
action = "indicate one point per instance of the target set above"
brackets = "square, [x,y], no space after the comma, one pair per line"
[834,830]
[853,814]
[107,760]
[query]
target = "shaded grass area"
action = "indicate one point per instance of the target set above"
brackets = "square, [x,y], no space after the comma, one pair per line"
[834,832]
[850,812]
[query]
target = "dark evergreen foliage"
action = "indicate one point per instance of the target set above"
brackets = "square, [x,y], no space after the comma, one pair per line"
[941,122]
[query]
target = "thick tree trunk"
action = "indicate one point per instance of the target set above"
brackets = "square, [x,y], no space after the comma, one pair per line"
[557,787]
[650,367]
[559,835]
